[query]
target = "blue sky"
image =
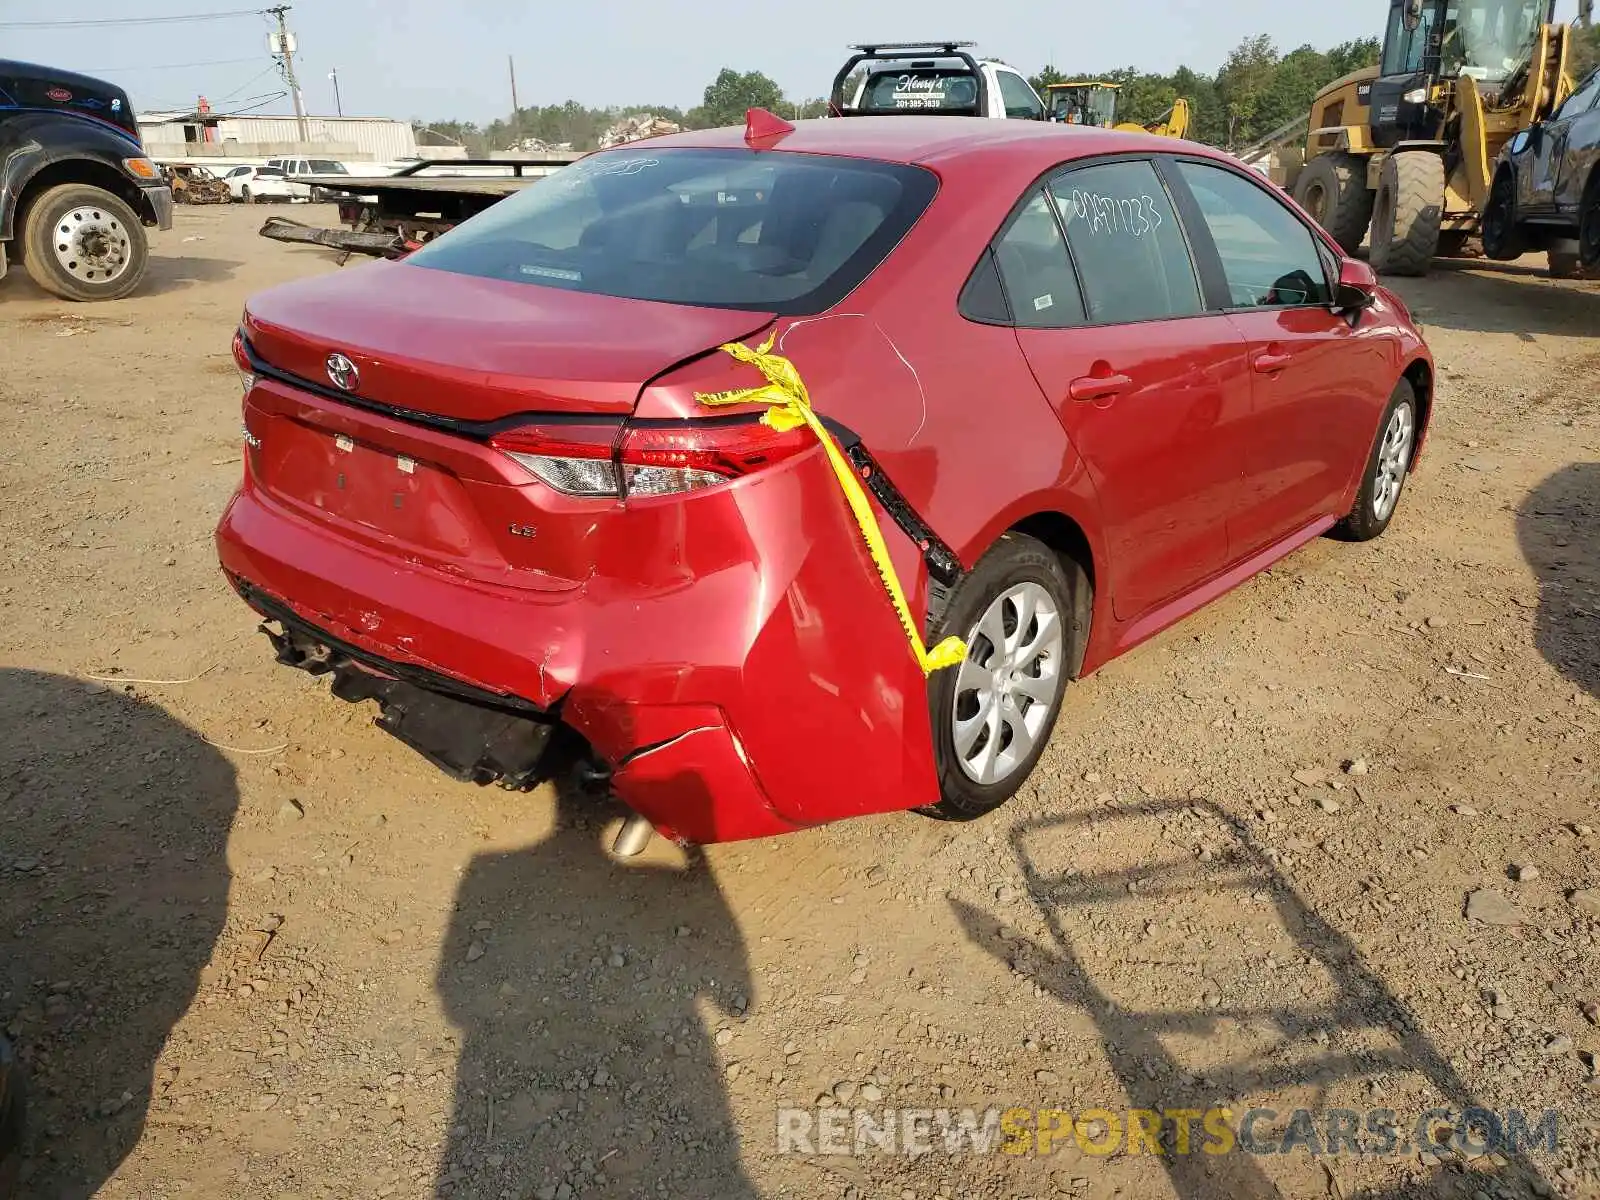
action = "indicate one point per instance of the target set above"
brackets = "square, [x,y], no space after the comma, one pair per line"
[447,58]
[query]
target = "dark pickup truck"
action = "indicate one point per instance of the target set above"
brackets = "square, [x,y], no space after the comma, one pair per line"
[76,189]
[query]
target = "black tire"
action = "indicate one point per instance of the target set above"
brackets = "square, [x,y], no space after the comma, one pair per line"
[1014,560]
[246,195]
[1503,239]
[55,213]
[1333,189]
[12,1115]
[1365,521]
[1408,213]
[1589,224]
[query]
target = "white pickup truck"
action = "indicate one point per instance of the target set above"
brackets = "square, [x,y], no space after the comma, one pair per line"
[292,167]
[933,79]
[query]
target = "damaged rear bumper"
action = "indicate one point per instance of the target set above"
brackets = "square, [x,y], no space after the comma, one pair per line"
[770,691]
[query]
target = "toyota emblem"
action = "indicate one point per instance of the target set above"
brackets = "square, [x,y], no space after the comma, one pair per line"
[343,373]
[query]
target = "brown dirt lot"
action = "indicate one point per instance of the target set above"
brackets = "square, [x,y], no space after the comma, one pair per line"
[251,947]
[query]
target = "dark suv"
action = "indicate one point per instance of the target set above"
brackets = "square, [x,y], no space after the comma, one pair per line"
[1546,193]
[76,189]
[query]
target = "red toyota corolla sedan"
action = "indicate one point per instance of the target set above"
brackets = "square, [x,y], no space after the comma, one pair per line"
[1090,381]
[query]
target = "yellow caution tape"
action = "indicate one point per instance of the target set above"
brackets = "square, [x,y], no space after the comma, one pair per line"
[789,407]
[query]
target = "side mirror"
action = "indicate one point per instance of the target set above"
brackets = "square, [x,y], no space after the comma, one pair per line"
[1412,16]
[1357,288]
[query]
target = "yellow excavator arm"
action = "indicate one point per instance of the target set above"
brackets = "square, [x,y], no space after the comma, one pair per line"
[1174,123]
[1534,91]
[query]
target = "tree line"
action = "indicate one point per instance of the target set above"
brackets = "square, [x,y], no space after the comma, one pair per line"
[1255,91]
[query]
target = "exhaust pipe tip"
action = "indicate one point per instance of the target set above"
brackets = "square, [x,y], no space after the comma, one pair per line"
[633,837]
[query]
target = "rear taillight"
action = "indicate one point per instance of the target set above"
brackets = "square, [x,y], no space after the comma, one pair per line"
[578,460]
[656,459]
[659,460]
[241,359]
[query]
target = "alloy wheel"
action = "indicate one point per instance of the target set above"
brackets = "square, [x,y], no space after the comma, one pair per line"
[1394,461]
[1008,685]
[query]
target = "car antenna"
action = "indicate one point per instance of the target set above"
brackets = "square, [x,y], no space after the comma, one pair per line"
[763,129]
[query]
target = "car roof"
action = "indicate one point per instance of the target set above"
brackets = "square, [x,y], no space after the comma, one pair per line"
[939,140]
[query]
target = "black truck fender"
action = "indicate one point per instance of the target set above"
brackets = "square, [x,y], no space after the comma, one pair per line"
[40,149]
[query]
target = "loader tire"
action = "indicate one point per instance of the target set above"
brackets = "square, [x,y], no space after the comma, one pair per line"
[1333,189]
[1410,207]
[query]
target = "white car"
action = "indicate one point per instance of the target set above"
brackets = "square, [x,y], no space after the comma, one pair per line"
[256,184]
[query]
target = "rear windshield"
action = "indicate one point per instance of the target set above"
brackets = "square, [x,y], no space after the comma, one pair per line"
[765,231]
[934,90]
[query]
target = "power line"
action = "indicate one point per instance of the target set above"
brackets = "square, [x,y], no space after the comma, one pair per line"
[106,21]
[249,83]
[216,62]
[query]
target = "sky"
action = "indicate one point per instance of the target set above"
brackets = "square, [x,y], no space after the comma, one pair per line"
[446,59]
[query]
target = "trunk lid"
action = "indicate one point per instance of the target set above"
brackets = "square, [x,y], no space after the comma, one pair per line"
[444,350]
[437,343]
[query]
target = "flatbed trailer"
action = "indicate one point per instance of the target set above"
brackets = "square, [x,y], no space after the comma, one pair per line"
[391,215]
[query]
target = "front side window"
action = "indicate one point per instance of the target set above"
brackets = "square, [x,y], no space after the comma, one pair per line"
[1017,96]
[769,232]
[1582,100]
[1269,258]
[1132,258]
[1405,49]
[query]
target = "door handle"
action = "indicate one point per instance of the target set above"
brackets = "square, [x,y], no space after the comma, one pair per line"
[1268,363]
[1098,387]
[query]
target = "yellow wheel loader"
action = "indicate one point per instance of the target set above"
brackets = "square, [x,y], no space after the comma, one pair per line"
[1407,148]
[1094,102]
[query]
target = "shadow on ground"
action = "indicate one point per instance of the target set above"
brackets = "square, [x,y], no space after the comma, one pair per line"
[167,272]
[172,273]
[113,889]
[1489,297]
[1558,529]
[1361,1032]
[582,988]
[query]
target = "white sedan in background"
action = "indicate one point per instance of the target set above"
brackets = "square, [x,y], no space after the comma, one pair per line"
[256,184]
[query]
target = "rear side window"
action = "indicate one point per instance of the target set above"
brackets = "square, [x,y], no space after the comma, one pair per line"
[1269,258]
[1132,257]
[1036,271]
[769,232]
[1017,96]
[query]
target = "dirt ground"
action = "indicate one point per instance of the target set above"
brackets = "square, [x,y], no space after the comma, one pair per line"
[252,947]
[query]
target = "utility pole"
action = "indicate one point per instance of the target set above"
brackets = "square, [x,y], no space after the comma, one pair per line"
[338,104]
[512,63]
[284,51]
[1586,13]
